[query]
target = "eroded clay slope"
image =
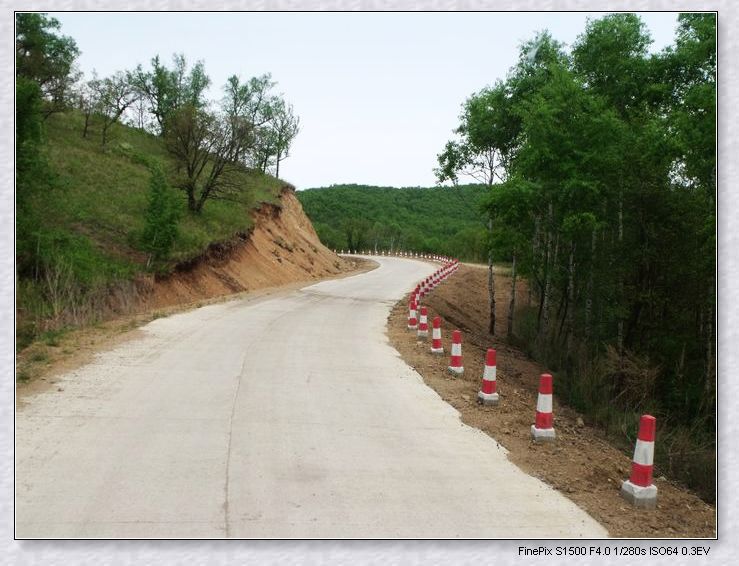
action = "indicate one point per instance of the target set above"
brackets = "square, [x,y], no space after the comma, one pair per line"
[282,248]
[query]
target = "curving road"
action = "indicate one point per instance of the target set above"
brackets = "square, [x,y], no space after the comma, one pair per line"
[286,417]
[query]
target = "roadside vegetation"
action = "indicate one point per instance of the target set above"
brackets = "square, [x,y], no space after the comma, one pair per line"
[437,219]
[597,167]
[601,168]
[123,177]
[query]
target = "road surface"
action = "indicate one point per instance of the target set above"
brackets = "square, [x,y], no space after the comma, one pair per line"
[287,417]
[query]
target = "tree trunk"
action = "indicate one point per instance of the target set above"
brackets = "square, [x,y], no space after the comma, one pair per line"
[589,292]
[512,304]
[277,167]
[491,280]
[571,301]
[87,124]
[550,265]
[192,203]
[620,335]
[710,383]
[534,257]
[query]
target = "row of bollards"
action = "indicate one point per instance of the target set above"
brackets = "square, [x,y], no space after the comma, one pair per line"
[639,489]
[396,253]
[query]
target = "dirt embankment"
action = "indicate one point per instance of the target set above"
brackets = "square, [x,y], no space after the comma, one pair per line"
[282,248]
[580,463]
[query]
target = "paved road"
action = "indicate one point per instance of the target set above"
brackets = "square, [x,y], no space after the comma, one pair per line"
[285,417]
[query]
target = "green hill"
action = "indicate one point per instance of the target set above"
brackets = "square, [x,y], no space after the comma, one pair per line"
[446,220]
[84,229]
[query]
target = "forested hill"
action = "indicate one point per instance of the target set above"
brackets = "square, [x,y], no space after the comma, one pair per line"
[448,220]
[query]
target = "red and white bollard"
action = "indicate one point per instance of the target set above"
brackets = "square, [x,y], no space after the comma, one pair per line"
[412,322]
[488,394]
[543,430]
[436,345]
[423,324]
[455,365]
[639,489]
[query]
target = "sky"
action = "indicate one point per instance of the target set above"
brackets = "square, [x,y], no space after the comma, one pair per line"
[378,94]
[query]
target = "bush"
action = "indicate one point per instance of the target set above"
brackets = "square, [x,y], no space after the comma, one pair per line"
[162,214]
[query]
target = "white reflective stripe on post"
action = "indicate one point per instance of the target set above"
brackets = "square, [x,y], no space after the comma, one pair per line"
[423,318]
[456,349]
[437,333]
[644,452]
[544,403]
[489,373]
[413,313]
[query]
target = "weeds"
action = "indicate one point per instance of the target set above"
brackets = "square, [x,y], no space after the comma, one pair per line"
[613,391]
[39,357]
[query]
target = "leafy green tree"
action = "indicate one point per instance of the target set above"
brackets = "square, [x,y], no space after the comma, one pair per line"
[162,215]
[486,139]
[285,126]
[33,176]
[168,90]
[46,58]
[110,98]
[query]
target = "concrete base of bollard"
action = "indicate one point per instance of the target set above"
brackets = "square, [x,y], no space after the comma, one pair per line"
[638,496]
[487,399]
[415,327]
[542,434]
[437,350]
[455,371]
[423,334]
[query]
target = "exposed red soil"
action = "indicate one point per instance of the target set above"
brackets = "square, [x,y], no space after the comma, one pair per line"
[282,248]
[580,463]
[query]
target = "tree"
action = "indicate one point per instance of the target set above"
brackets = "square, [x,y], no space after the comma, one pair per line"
[168,90]
[46,58]
[250,100]
[285,126]
[511,207]
[162,214]
[207,147]
[210,144]
[486,139]
[356,231]
[487,133]
[251,103]
[86,96]
[611,56]
[273,122]
[112,96]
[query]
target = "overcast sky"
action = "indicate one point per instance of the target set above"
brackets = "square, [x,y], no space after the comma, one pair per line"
[378,94]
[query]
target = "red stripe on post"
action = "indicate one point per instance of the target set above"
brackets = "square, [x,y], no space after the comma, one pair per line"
[545,383]
[543,420]
[490,359]
[641,475]
[488,387]
[647,428]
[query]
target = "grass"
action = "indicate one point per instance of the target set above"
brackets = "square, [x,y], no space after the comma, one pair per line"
[85,230]
[105,191]
[52,337]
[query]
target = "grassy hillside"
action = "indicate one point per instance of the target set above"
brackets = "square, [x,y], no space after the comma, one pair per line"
[87,225]
[438,219]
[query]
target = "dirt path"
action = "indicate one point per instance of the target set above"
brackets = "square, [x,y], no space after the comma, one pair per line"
[581,463]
